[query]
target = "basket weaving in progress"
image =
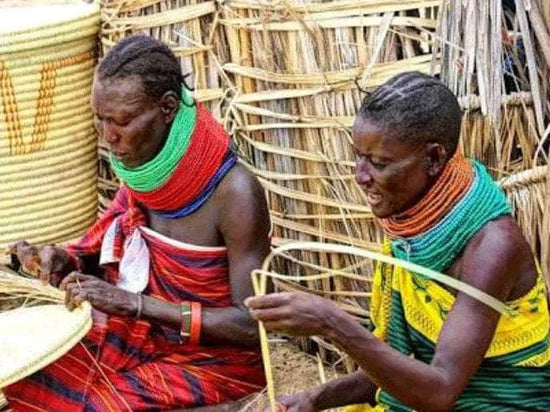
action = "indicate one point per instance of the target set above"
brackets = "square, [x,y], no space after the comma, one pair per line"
[39,331]
[48,147]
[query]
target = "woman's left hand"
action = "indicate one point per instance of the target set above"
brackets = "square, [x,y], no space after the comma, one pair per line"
[102,295]
[297,314]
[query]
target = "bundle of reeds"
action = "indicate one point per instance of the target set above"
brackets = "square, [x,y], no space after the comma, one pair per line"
[18,291]
[488,60]
[527,193]
[191,29]
[296,68]
[545,258]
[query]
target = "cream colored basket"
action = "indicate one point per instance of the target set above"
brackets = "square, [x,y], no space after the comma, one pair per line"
[48,147]
[34,337]
[39,330]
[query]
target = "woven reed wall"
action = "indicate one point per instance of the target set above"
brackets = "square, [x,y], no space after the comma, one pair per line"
[48,149]
[291,73]
[295,68]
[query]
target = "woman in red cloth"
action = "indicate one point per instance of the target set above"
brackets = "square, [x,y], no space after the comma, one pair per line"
[166,268]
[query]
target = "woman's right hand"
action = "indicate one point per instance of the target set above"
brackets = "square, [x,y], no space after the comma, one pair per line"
[49,263]
[298,402]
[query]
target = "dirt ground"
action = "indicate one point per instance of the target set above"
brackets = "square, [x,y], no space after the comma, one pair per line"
[293,371]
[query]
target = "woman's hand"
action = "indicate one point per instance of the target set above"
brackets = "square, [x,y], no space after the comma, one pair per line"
[103,296]
[297,314]
[49,263]
[298,402]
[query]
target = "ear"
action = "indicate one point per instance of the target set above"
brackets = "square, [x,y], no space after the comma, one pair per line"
[169,105]
[436,156]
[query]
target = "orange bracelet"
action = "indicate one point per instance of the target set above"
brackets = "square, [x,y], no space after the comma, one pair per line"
[196,323]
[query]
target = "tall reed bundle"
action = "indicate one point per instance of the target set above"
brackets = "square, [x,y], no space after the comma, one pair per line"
[545,259]
[296,66]
[527,192]
[488,61]
[514,146]
[539,18]
[191,30]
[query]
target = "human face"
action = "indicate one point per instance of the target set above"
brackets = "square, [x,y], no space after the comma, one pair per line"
[393,174]
[132,124]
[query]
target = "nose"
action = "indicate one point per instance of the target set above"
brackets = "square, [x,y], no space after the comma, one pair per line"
[108,132]
[363,175]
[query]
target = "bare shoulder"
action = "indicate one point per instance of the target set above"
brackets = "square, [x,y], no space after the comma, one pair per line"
[499,257]
[239,183]
[241,198]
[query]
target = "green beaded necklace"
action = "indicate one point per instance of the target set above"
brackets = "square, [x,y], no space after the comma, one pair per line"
[155,173]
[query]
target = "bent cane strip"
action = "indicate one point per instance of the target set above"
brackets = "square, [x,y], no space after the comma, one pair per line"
[259,282]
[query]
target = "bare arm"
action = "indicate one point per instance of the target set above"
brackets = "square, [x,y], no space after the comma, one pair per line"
[244,225]
[491,262]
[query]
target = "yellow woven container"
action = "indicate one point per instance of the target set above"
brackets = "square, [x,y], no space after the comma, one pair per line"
[30,309]
[48,147]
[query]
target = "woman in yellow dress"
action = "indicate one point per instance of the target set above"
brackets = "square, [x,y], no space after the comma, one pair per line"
[433,348]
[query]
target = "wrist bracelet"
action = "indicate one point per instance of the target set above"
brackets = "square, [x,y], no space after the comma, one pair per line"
[196,323]
[185,329]
[139,306]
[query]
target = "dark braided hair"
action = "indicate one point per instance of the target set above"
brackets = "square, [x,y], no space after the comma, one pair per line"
[417,108]
[148,58]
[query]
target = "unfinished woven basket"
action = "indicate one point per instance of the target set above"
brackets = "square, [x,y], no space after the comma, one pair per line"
[48,149]
[54,331]
[35,326]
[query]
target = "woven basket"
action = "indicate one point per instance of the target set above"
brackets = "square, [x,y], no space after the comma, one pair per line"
[48,148]
[29,308]
[54,332]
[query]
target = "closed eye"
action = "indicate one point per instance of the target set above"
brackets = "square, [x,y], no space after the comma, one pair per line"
[377,165]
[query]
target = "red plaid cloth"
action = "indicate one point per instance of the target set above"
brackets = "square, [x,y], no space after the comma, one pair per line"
[125,364]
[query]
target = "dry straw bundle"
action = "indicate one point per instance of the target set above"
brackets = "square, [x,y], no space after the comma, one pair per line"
[48,149]
[191,29]
[528,194]
[295,66]
[489,61]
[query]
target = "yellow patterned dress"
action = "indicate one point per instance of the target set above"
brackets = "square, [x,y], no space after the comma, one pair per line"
[408,312]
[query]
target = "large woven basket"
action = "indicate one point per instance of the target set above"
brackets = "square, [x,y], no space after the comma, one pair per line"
[48,149]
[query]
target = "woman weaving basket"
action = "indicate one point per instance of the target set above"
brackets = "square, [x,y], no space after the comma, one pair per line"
[167,266]
[432,349]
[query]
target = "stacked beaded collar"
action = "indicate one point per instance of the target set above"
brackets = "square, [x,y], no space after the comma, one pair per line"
[435,231]
[181,178]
